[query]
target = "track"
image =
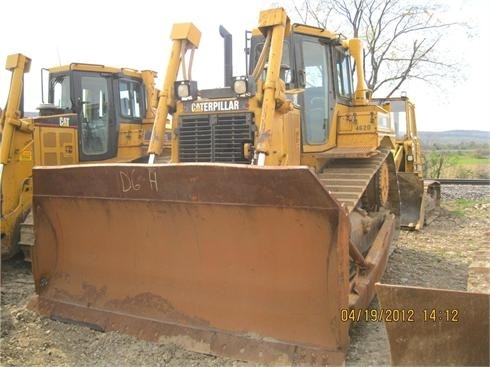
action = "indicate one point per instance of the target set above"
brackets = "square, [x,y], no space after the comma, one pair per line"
[26,241]
[349,178]
[461,181]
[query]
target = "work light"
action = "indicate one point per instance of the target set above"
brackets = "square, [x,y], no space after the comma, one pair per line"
[186,90]
[243,86]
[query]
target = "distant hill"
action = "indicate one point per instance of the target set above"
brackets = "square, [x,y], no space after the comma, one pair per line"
[454,137]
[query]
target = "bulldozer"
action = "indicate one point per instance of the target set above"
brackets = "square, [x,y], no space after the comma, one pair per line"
[263,233]
[428,326]
[420,199]
[94,113]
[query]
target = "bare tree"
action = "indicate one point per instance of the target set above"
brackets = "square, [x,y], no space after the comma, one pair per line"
[401,39]
[437,162]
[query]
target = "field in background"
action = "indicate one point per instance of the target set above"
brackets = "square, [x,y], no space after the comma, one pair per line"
[456,154]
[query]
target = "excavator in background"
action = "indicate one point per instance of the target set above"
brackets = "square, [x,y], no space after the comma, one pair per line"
[262,237]
[94,113]
[419,199]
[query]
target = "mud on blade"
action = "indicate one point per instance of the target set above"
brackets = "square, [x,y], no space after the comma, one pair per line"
[248,262]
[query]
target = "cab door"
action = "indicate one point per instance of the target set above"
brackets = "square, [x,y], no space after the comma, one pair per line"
[97,127]
[325,75]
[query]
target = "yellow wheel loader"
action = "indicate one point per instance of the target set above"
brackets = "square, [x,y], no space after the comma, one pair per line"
[94,113]
[263,234]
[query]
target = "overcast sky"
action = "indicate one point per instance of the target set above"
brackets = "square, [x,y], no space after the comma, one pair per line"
[136,35]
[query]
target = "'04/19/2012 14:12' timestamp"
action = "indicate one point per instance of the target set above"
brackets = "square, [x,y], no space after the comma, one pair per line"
[399,315]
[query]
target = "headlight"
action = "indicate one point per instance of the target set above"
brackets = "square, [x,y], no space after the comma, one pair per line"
[183,90]
[243,86]
[240,86]
[186,90]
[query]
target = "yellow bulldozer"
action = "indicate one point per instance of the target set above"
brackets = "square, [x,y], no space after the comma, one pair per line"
[427,326]
[419,199]
[270,222]
[94,113]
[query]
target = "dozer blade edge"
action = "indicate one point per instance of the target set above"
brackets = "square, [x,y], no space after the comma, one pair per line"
[411,200]
[241,261]
[436,327]
[419,200]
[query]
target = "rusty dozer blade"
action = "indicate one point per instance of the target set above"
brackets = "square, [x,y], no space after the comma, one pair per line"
[436,327]
[432,200]
[242,261]
[419,202]
[411,200]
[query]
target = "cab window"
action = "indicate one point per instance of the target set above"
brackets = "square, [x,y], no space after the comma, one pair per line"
[95,116]
[131,99]
[60,92]
[344,75]
[316,101]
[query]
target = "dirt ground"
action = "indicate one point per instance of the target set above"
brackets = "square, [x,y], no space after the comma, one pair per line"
[437,256]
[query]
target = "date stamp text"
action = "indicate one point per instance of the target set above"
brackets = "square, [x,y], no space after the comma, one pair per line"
[399,315]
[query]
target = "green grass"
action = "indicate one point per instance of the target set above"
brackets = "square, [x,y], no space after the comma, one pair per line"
[465,203]
[458,164]
[460,206]
[469,159]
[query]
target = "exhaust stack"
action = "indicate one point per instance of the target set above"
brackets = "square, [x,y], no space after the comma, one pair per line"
[228,43]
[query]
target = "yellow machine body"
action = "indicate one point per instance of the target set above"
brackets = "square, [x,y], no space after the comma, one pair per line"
[95,113]
[420,199]
[16,158]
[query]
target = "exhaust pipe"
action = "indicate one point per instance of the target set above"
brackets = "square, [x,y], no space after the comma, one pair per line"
[228,43]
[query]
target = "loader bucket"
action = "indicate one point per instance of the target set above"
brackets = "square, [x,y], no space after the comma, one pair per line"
[241,261]
[436,327]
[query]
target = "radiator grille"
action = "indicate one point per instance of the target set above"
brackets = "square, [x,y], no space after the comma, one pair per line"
[214,137]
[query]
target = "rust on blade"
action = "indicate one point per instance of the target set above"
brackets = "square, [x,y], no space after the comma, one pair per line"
[247,262]
[436,327]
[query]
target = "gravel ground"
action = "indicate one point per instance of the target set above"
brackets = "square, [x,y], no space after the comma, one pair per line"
[437,256]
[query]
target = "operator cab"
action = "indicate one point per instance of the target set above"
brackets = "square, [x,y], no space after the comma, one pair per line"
[95,100]
[321,69]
